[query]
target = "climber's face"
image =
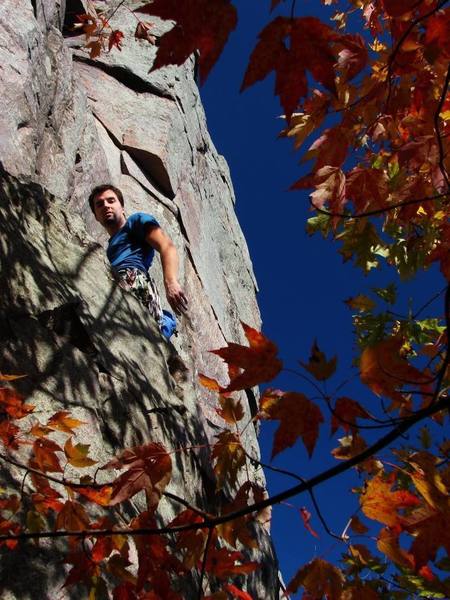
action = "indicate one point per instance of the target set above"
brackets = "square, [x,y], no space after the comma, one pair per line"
[109,212]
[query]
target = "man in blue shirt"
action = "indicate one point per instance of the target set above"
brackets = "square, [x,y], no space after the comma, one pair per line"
[131,249]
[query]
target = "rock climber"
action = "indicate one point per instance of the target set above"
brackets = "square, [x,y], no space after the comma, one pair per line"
[130,251]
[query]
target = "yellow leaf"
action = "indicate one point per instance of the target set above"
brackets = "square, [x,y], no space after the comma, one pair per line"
[381,503]
[77,456]
[377,46]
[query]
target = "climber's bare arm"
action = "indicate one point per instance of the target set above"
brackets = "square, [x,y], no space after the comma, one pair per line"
[161,242]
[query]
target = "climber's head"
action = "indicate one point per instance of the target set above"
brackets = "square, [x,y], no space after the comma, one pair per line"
[106,202]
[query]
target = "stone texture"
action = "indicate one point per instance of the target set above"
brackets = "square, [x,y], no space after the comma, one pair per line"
[68,123]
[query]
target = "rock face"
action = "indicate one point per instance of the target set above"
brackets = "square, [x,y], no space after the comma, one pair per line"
[68,123]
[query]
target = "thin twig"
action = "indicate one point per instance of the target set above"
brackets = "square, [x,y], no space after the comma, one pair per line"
[378,211]
[427,304]
[75,486]
[298,478]
[307,379]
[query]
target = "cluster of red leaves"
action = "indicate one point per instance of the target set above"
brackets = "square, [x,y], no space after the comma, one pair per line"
[98,32]
[57,503]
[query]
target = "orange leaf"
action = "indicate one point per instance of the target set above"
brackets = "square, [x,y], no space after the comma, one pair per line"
[380,503]
[298,416]
[4,377]
[95,48]
[200,25]
[149,469]
[231,410]
[77,455]
[319,578]
[384,369]
[100,496]
[45,457]
[39,430]
[12,403]
[259,361]
[72,517]
[318,365]
[62,421]
[209,383]
[229,456]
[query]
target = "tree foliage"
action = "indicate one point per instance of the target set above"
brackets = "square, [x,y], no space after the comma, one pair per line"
[372,99]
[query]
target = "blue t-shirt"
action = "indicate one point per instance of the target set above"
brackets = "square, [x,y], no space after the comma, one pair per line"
[127,249]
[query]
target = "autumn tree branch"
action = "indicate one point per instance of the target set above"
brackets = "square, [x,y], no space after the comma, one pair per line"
[436,405]
[74,485]
[378,211]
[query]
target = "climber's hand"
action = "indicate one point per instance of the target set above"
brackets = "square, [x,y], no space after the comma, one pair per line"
[176,297]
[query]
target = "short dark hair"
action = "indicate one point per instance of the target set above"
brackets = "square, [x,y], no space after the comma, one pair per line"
[99,189]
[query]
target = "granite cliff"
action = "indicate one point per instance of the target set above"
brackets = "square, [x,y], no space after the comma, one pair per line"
[68,123]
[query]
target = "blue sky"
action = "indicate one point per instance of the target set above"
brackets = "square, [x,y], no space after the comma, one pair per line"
[303,281]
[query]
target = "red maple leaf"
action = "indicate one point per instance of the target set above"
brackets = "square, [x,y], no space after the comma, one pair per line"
[345,413]
[259,361]
[298,416]
[115,39]
[45,457]
[202,25]
[149,469]
[290,47]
